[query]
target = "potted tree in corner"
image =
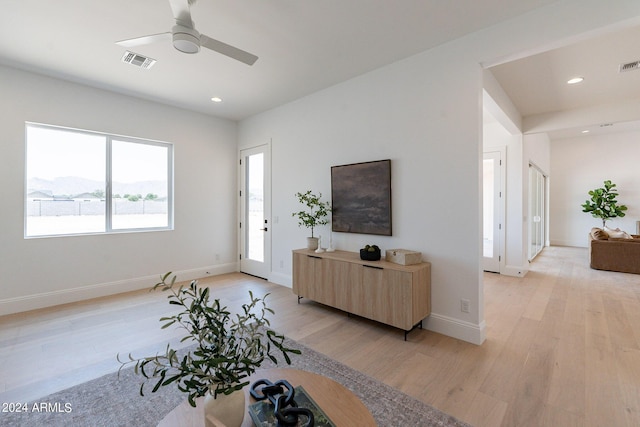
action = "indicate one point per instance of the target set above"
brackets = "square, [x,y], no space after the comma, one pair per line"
[228,349]
[603,203]
[315,214]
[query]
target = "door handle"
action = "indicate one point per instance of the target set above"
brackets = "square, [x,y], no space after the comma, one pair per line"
[264,229]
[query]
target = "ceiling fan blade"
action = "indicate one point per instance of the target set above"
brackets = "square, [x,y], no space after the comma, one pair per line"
[138,41]
[228,50]
[181,12]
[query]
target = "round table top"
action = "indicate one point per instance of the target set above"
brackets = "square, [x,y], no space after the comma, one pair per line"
[340,404]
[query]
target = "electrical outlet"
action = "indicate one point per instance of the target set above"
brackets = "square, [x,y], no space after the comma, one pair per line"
[464,305]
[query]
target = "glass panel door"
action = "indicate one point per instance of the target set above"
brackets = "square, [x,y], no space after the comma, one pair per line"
[255,230]
[255,207]
[537,183]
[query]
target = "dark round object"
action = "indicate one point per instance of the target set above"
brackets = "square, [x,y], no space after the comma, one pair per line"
[369,256]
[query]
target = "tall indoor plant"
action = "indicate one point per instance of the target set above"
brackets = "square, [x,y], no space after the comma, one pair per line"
[603,203]
[316,214]
[228,349]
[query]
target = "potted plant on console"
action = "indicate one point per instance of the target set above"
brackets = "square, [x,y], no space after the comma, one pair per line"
[316,214]
[228,349]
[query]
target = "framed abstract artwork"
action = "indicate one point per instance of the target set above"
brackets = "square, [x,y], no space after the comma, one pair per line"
[361,198]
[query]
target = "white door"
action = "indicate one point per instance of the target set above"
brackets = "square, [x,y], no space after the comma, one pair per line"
[492,212]
[255,211]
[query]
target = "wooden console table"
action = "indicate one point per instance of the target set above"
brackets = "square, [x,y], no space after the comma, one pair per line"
[340,404]
[394,294]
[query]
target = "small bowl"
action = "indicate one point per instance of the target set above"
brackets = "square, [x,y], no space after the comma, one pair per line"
[370,256]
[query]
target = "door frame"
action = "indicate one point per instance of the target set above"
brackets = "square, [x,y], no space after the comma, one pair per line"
[243,267]
[499,208]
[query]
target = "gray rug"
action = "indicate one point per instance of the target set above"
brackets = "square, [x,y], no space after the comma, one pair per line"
[112,401]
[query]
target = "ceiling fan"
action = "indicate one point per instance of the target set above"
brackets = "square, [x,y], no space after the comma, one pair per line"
[187,39]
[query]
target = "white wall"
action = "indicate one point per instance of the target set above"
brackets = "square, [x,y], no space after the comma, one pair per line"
[424,113]
[537,150]
[351,122]
[495,138]
[582,164]
[48,271]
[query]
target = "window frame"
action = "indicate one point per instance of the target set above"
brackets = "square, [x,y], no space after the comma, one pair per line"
[109,138]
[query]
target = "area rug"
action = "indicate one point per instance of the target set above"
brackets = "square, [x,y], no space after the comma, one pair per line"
[115,401]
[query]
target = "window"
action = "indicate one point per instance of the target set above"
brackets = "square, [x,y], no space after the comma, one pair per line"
[80,182]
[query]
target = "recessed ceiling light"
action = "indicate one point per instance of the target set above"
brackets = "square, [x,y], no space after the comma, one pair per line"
[216,99]
[586,131]
[575,80]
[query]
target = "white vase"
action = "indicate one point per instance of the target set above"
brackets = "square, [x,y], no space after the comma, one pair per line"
[226,410]
[312,243]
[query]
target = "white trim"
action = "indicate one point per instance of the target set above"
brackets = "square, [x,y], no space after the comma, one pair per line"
[456,328]
[515,271]
[281,279]
[255,267]
[501,206]
[81,293]
[569,243]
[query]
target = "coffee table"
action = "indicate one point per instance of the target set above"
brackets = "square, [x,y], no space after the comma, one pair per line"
[339,403]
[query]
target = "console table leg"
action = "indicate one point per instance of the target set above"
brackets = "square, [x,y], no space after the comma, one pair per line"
[414,326]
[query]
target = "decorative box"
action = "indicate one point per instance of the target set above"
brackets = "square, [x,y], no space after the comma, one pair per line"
[403,256]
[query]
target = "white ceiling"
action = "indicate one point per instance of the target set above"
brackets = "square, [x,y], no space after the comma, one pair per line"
[537,84]
[303,45]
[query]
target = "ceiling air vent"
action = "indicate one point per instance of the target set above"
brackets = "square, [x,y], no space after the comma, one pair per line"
[629,66]
[138,60]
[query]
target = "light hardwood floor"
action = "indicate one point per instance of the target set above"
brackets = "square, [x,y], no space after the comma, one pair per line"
[562,348]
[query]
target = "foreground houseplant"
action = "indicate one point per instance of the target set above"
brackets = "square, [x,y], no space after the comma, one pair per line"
[316,214]
[228,348]
[603,203]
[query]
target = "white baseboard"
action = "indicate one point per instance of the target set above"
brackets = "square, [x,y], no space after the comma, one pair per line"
[281,279]
[572,244]
[456,328]
[515,271]
[81,293]
[214,270]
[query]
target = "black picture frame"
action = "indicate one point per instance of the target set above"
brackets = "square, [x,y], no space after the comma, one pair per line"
[361,198]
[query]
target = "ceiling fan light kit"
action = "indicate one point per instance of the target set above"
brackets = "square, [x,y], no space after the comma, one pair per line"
[186,40]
